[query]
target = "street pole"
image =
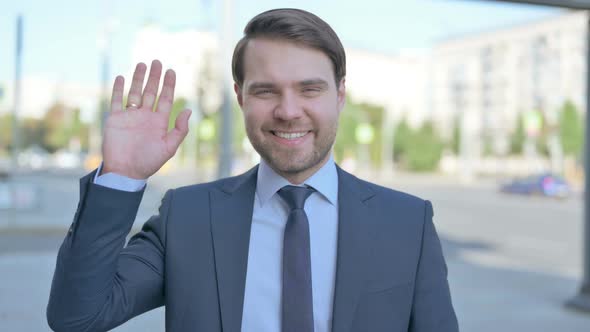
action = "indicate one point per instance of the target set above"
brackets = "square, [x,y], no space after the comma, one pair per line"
[17,93]
[582,300]
[225,157]
[104,92]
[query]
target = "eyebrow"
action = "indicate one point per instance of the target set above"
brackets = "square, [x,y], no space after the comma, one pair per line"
[267,85]
[313,81]
[260,85]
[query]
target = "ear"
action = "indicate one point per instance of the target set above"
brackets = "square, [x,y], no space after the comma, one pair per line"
[238,92]
[341,95]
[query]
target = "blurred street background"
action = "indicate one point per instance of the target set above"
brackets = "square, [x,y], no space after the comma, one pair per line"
[478,106]
[513,261]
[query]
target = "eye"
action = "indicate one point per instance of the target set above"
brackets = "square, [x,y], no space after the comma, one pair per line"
[263,92]
[311,91]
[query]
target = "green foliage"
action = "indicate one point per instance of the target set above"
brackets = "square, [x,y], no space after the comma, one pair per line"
[456,138]
[418,149]
[208,149]
[345,144]
[55,135]
[488,145]
[32,132]
[239,133]
[5,132]
[351,116]
[426,149]
[58,128]
[571,130]
[401,140]
[374,116]
[518,137]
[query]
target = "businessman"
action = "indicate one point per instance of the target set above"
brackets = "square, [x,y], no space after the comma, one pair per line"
[296,244]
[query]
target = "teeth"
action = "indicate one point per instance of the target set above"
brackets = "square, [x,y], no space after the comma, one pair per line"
[290,135]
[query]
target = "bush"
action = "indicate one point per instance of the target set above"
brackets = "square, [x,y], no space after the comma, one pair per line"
[418,149]
[571,130]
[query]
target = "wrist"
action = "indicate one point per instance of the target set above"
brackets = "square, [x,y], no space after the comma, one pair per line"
[107,168]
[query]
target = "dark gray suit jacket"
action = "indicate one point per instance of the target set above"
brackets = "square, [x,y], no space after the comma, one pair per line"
[192,256]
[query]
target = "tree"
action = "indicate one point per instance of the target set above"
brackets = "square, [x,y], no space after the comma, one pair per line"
[456,138]
[32,132]
[417,149]
[345,141]
[401,139]
[59,127]
[5,132]
[518,137]
[374,116]
[571,130]
[55,127]
[425,149]
[488,145]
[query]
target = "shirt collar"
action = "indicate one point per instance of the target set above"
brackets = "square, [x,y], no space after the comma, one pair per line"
[324,181]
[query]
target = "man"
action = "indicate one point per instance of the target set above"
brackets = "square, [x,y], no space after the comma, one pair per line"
[295,244]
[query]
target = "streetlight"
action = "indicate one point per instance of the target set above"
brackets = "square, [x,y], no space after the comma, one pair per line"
[17,92]
[225,158]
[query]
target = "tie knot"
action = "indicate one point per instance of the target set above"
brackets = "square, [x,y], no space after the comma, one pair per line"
[295,196]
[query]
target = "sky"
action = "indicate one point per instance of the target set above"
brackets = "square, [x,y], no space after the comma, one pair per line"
[61,36]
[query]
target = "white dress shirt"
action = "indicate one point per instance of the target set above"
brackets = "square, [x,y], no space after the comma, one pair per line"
[262,298]
[262,295]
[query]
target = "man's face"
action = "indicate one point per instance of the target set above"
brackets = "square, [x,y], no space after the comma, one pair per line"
[291,105]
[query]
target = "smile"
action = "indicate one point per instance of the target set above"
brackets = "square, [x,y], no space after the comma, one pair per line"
[290,135]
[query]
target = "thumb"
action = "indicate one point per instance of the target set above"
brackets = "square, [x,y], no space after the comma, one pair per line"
[178,133]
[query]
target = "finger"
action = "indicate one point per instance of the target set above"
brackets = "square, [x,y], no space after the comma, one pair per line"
[134,97]
[178,133]
[117,97]
[151,88]
[167,95]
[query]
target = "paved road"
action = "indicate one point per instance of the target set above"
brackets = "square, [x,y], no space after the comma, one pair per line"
[513,261]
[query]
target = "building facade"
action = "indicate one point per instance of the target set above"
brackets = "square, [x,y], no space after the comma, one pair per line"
[486,80]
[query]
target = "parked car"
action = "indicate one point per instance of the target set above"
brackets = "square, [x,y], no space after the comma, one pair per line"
[546,184]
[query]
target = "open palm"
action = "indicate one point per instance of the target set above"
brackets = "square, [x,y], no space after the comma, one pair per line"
[136,140]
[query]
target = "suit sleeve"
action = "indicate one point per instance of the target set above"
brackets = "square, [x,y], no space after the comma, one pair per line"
[432,309]
[98,283]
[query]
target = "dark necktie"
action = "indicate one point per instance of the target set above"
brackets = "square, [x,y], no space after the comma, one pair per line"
[297,298]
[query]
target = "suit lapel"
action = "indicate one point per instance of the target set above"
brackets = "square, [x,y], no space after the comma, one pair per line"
[231,219]
[355,233]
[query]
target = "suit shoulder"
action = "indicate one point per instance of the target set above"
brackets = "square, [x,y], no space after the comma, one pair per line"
[199,187]
[227,184]
[390,193]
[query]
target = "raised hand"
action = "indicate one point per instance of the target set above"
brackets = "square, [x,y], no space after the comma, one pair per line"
[136,142]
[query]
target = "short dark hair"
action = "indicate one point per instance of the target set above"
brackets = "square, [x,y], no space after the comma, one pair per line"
[296,25]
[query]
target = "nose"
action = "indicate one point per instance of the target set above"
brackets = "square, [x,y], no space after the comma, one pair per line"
[288,108]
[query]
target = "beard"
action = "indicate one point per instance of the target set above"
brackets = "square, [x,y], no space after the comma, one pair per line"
[291,161]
